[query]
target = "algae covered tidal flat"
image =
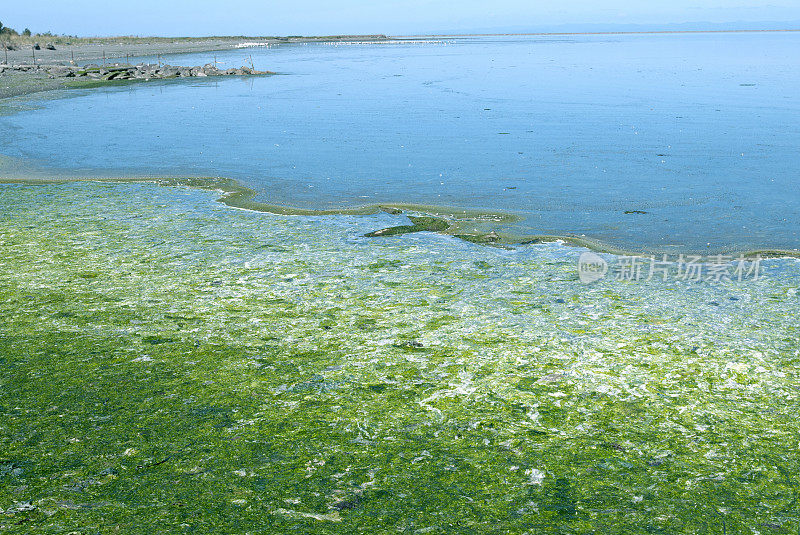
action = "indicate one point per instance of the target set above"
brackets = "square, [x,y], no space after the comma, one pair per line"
[170,364]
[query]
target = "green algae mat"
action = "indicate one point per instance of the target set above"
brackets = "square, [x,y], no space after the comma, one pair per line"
[172,365]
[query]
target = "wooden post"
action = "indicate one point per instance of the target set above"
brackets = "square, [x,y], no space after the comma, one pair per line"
[5,47]
[104,58]
[33,51]
[72,55]
[127,59]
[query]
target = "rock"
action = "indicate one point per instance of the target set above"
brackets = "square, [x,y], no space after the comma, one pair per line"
[50,46]
[36,46]
[60,71]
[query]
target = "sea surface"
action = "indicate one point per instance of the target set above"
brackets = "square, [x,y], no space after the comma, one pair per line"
[701,132]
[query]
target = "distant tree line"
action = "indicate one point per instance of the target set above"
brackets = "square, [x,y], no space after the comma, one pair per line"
[5,31]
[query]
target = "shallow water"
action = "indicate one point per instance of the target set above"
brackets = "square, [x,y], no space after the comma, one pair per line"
[699,131]
[172,364]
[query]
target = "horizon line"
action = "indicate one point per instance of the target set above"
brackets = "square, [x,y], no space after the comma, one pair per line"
[416,35]
[618,32]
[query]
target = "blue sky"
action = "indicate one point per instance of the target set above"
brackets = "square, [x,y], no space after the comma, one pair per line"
[320,17]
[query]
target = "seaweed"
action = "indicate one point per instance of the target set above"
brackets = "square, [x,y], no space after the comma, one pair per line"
[338,385]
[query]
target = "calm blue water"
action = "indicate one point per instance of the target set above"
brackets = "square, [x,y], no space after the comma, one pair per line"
[700,131]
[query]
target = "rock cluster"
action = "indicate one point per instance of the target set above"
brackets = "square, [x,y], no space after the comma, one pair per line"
[35,46]
[130,72]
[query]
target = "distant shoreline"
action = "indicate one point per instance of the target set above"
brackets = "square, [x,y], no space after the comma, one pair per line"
[66,49]
[651,32]
[110,50]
